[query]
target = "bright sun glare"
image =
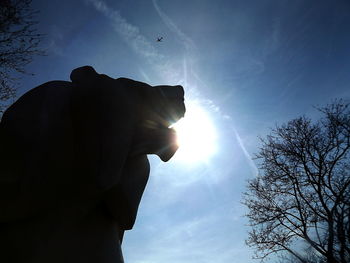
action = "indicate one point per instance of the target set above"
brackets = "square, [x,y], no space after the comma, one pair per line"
[196,135]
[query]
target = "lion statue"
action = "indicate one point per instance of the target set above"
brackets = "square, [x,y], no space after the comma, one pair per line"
[74,165]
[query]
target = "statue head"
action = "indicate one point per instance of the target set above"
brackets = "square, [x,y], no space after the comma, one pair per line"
[158,107]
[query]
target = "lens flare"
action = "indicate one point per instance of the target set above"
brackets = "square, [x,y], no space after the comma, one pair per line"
[196,135]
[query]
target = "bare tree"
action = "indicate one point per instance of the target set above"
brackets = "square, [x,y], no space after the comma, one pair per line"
[303,192]
[309,255]
[19,43]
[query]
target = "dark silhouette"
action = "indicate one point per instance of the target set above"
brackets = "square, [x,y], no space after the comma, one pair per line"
[159,39]
[74,165]
[302,197]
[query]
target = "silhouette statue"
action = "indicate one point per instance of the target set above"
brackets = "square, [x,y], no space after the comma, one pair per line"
[74,165]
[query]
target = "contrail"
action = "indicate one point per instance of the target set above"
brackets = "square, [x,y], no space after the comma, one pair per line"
[130,33]
[252,165]
[139,43]
[188,43]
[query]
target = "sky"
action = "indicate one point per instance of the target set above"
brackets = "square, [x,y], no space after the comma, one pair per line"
[247,64]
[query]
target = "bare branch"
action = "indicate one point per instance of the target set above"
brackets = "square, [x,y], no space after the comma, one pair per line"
[19,44]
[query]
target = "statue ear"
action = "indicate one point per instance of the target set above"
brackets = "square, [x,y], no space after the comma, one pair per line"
[84,75]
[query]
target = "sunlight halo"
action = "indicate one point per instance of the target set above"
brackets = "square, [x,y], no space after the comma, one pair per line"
[196,135]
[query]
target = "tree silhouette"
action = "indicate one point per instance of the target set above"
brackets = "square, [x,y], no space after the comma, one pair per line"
[303,193]
[19,43]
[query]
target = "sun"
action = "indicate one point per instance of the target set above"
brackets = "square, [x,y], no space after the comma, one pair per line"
[196,135]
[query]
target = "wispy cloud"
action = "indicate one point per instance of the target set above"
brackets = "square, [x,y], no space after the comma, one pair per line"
[132,35]
[191,241]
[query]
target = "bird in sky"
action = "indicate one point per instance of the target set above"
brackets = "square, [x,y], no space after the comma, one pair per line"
[159,39]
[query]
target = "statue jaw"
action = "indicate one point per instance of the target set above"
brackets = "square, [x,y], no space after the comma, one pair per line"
[161,141]
[153,136]
[166,144]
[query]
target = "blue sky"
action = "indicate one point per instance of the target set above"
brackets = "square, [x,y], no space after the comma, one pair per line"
[249,64]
